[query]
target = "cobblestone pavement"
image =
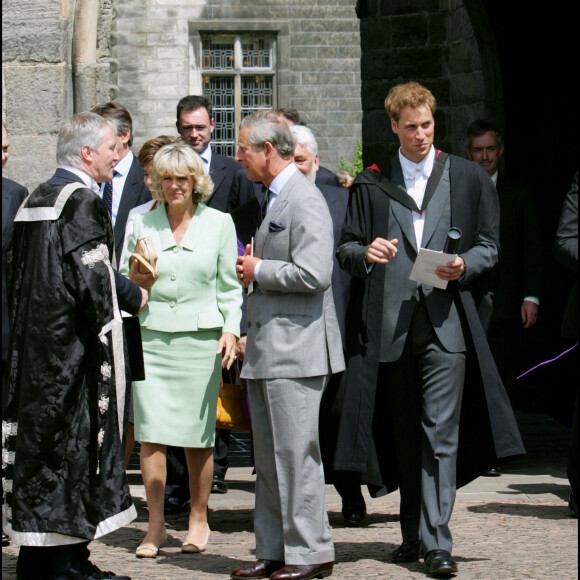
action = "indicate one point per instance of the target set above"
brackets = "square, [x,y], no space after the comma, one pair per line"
[512,527]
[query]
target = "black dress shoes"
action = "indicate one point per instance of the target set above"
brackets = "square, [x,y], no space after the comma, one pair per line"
[407,552]
[92,573]
[305,572]
[354,511]
[218,485]
[493,472]
[440,563]
[174,505]
[572,504]
[260,569]
[5,539]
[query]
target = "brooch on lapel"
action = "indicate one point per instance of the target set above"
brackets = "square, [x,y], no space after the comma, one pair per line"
[276,227]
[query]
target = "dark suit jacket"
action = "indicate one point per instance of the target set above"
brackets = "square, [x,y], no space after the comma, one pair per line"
[337,200]
[566,250]
[134,193]
[520,268]
[231,186]
[326,177]
[128,294]
[13,195]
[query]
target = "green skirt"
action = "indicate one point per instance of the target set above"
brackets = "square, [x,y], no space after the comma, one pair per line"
[176,403]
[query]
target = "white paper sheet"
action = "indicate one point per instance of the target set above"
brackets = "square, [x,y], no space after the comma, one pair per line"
[424,268]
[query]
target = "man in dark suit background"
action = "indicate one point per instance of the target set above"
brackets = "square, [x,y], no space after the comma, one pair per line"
[410,344]
[13,195]
[566,250]
[516,282]
[323,175]
[196,123]
[306,159]
[128,188]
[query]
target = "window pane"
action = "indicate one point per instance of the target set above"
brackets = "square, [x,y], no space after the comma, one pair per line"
[220,90]
[257,94]
[257,53]
[218,53]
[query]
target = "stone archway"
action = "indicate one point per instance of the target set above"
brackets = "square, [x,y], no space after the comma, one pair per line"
[449,48]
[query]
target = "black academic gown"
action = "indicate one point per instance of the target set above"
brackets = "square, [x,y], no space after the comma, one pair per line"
[488,430]
[66,399]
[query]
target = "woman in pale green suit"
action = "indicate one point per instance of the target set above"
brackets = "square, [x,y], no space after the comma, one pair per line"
[193,317]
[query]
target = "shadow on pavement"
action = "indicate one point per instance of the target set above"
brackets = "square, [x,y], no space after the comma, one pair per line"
[545,512]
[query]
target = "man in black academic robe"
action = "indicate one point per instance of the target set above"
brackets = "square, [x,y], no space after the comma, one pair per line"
[422,393]
[64,408]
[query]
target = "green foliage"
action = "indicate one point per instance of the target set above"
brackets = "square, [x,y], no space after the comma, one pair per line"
[356,166]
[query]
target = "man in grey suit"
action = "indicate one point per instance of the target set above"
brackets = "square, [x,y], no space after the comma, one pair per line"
[408,343]
[293,347]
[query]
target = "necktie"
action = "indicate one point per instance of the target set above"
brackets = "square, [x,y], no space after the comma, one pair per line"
[108,196]
[265,202]
[108,193]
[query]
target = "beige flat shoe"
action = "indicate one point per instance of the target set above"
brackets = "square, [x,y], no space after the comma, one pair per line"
[188,548]
[149,549]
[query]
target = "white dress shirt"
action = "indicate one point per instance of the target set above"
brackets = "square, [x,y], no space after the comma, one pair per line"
[416,176]
[85,177]
[206,158]
[119,178]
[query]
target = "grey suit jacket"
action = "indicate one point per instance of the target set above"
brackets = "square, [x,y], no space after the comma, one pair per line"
[293,331]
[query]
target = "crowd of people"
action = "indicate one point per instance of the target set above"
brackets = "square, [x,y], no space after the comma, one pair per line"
[132,282]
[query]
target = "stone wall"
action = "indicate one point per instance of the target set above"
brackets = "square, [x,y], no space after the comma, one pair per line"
[42,84]
[154,61]
[429,41]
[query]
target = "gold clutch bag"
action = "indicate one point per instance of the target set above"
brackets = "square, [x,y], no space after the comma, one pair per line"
[145,256]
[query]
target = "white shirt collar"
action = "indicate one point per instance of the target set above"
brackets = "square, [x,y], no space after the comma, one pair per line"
[494,177]
[282,178]
[124,165]
[412,169]
[206,157]
[85,177]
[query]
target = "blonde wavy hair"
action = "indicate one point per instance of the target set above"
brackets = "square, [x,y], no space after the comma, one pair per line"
[180,160]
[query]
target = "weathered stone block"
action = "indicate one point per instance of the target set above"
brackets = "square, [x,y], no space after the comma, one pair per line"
[31,169]
[27,112]
[409,31]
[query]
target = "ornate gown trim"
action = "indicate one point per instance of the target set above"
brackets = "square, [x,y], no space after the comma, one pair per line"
[99,254]
[115,327]
[8,430]
[41,214]
[54,539]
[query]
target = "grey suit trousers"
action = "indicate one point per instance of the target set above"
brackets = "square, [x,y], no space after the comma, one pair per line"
[290,520]
[424,392]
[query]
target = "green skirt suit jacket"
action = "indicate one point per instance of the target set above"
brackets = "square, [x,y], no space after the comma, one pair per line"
[196,298]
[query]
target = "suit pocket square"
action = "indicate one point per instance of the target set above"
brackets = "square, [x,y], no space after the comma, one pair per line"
[276,227]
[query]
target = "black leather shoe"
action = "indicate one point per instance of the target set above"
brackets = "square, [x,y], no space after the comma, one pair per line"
[175,505]
[260,569]
[5,540]
[440,563]
[218,485]
[304,572]
[572,504]
[407,552]
[493,472]
[92,573]
[354,511]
